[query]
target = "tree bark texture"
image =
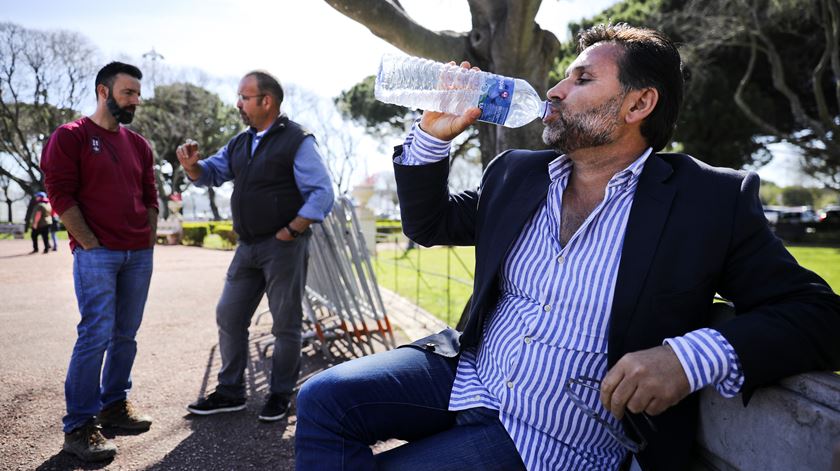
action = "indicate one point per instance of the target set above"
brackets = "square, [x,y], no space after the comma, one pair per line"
[505,39]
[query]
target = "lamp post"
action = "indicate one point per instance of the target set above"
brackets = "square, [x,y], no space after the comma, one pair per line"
[153,56]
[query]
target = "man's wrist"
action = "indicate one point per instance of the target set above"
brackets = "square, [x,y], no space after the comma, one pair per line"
[292,232]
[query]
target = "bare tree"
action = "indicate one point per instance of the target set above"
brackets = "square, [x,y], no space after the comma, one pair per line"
[337,137]
[43,76]
[9,196]
[176,112]
[504,39]
[789,85]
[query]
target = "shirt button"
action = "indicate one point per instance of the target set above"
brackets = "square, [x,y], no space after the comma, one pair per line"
[476,398]
[547,307]
[560,259]
[527,339]
[510,384]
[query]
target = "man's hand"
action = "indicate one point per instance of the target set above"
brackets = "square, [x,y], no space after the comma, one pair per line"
[152,217]
[447,126]
[299,224]
[647,381]
[188,156]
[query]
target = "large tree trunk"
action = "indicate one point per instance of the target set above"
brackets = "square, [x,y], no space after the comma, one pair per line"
[504,39]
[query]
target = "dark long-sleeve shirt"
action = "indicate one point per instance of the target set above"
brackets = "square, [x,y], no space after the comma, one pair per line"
[109,175]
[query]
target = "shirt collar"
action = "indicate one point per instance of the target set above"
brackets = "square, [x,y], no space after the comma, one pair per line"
[561,167]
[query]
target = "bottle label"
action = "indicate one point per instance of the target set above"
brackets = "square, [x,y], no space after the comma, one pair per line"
[496,98]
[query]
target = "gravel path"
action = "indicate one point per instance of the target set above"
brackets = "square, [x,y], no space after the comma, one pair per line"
[176,362]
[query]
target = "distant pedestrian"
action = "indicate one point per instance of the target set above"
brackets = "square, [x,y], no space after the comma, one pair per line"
[40,221]
[54,229]
[101,178]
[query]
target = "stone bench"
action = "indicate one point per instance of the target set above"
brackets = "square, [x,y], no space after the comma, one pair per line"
[16,230]
[792,425]
[169,232]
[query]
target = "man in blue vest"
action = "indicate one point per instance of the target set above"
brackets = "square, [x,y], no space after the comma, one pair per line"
[281,186]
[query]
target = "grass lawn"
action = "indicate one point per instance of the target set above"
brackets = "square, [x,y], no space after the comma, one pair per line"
[824,261]
[397,272]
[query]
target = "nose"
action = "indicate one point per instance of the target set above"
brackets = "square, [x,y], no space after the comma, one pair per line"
[557,92]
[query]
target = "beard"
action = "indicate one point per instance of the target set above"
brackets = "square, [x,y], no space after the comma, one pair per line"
[589,128]
[123,114]
[245,118]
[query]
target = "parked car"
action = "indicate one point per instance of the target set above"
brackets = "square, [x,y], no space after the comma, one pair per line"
[830,215]
[791,223]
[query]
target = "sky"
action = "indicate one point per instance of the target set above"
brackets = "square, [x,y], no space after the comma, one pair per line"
[303,42]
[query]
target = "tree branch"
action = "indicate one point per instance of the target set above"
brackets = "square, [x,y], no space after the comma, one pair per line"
[743,105]
[777,72]
[832,28]
[520,17]
[388,20]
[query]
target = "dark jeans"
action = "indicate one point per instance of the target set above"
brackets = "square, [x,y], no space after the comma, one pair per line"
[404,394]
[277,269]
[44,234]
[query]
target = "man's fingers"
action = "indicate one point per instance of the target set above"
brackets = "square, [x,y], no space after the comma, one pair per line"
[656,407]
[622,394]
[640,401]
[608,385]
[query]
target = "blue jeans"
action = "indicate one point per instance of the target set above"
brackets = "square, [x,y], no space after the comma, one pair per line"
[111,289]
[404,394]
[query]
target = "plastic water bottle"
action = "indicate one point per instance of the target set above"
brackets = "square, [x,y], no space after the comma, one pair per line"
[420,83]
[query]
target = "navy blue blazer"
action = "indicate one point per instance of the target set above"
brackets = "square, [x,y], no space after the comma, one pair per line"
[693,231]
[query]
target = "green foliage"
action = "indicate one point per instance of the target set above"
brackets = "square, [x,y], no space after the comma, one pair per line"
[210,234]
[227,235]
[797,196]
[360,105]
[714,44]
[178,112]
[194,235]
[770,193]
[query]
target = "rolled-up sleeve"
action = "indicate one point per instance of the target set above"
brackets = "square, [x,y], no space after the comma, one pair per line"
[215,169]
[60,164]
[313,181]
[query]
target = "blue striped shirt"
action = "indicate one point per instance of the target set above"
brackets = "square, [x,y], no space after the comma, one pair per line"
[550,324]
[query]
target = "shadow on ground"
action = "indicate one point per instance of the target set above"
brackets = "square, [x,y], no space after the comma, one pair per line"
[234,440]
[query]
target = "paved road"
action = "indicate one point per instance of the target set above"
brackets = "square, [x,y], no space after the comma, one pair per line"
[176,362]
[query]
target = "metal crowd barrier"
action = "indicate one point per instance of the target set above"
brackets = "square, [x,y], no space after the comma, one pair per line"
[343,309]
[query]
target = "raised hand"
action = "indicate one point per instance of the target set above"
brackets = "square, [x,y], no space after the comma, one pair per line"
[446,126]
[188,156]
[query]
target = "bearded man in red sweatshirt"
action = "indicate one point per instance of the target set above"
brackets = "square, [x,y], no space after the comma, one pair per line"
[100,178]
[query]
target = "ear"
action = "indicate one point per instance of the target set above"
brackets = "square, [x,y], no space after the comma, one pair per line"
[101,91]
[642,103]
